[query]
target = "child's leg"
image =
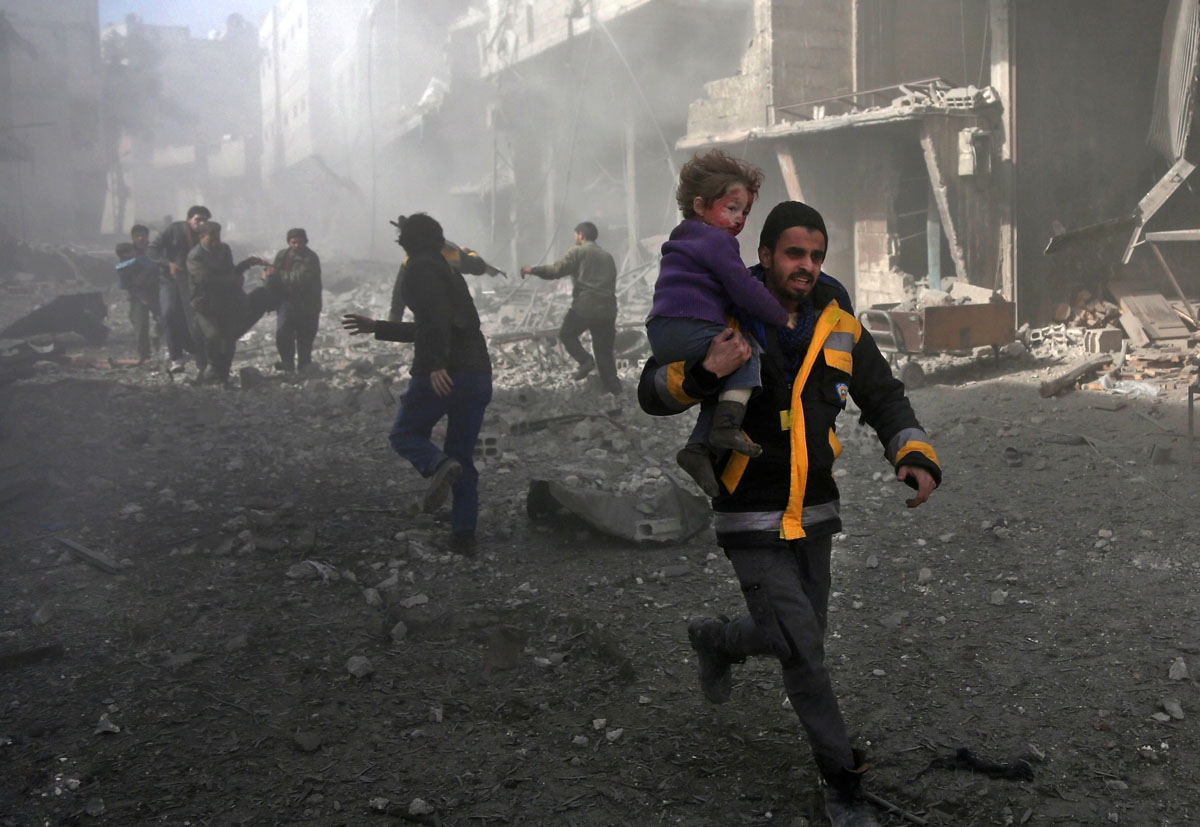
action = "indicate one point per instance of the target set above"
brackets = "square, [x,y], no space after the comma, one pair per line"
[677,339]
[726,433]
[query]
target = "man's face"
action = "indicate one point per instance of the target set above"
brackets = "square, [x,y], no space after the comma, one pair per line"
[579,239]
[196,220]
[728,212]
[793,266]
[297,243]
[210,239]
[140,240]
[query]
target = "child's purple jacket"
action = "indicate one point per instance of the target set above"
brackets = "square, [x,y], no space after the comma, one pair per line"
[702,276]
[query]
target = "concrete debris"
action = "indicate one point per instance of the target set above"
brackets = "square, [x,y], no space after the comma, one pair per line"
[359,666]
[1178,670]
[1172,707]
[675,515]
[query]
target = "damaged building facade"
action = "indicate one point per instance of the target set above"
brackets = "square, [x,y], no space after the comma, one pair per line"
[182,123]
[51,161]
[944,140]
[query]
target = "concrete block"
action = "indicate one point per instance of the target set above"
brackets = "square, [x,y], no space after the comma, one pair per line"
[1102,340]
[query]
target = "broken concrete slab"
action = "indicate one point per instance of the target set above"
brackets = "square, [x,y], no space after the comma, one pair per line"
[674,516]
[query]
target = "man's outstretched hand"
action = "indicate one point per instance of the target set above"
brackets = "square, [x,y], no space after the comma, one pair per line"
[923,479]
[356,324]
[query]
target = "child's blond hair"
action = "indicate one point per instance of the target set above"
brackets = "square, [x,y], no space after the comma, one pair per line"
[709,175]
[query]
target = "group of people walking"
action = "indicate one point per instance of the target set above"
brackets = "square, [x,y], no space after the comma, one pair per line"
[187,282]
[771,354]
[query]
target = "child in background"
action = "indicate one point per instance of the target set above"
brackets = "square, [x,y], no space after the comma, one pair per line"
[701,283]
[137,274]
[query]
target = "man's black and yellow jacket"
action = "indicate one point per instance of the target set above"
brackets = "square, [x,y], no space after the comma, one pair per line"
[788,492]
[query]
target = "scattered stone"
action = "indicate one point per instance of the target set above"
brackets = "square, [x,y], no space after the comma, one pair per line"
[895,620]
[872,561]
[399,632]
[925,575]
[1178,670]
[998,598]
[415,600]
[359,666]
[104,726]
[580,741]
[614,735]
[420,807]
[373,597]
[1172,707]
[307,741]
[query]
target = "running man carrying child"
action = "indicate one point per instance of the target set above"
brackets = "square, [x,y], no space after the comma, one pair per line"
[701,283]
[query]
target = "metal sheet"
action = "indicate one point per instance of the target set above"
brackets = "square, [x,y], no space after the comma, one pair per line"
[1174,95]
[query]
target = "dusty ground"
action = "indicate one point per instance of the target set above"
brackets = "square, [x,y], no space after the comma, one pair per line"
[1038,611]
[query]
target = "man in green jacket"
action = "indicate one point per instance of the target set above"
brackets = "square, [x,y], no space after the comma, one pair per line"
[295,277]
[593,304]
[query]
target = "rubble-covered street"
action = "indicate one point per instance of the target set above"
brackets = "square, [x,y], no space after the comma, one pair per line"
[224,607]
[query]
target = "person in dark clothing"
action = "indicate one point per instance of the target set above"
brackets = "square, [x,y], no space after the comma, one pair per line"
[138,275]
[775,515]
[593,308]
[451,375]
[463,260]
[295,277]
[171,250]
[222,311]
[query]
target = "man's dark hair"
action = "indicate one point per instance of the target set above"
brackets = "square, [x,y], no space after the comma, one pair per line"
[207,228]
[126,251]
[297,232]
[139,228]
[421,234]
[199,209]
[588,230]
[788,214]
[710,175]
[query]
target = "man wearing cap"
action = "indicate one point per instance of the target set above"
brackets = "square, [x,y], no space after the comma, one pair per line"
[775,515]
[295,279]
[451,374]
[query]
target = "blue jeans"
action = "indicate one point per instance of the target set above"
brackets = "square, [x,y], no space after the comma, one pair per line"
[678,339]
[463,407]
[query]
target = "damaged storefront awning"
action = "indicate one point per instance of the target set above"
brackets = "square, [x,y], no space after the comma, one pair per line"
[903,102]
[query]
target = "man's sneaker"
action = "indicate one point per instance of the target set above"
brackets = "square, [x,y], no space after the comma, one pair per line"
[287,367]
[443,478]
[848,810]
[176,366]
[583,370]
[705,635]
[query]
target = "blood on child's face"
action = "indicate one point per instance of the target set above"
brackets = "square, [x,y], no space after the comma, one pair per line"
[728,212]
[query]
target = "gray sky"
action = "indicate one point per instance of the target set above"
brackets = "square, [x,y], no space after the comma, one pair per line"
[200,16]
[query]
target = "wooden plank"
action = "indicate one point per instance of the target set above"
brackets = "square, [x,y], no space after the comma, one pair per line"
[1155,315]
[1133,329]
[1068,377]
[787,168]
[92,558]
